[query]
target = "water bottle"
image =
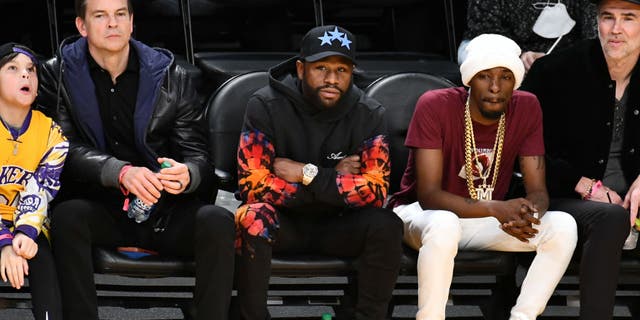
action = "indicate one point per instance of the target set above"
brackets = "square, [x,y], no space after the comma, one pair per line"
[140,211]
[632,240]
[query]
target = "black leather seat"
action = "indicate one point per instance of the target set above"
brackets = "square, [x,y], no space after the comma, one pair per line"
[218,67]
[398,93]
[374,65]
[110,261]
[225,113]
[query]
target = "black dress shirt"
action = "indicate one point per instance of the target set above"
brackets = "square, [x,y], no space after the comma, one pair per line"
[117,103]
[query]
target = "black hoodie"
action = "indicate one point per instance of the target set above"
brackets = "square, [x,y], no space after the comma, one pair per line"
[281,122]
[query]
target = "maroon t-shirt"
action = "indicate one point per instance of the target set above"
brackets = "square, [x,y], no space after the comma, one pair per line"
[438,123]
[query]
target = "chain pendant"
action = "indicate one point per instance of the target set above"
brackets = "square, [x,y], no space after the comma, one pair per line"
[484,192]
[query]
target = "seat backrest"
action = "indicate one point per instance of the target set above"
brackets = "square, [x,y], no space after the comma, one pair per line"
[218,67]
[225,114]
[398,93]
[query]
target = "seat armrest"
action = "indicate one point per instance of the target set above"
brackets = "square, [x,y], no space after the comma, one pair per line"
[225,179]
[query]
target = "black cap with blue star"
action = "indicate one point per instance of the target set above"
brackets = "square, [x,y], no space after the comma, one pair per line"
[324,41]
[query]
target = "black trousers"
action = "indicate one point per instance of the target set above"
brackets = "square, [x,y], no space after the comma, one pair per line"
[372,235]
[602,229]
[43,283]
[205,232]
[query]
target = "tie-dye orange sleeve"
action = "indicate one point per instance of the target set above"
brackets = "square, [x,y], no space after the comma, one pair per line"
[256,181]
[369,188]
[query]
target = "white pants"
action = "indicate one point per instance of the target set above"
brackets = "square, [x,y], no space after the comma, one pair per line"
[438,234]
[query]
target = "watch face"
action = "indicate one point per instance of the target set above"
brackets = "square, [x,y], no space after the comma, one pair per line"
[310,170]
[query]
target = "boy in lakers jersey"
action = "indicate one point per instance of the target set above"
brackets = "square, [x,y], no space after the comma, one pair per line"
[32,153]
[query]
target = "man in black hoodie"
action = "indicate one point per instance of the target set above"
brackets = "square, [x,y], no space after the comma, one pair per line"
[313,163]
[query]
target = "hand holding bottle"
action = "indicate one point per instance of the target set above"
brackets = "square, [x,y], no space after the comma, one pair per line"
[174,179]
[143,183]
[140,210]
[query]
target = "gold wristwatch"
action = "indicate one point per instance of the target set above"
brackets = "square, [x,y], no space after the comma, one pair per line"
[309,171]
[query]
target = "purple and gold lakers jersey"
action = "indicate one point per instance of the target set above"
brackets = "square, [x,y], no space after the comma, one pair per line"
[31,161]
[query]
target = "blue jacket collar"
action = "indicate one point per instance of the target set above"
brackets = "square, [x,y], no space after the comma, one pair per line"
[154,65]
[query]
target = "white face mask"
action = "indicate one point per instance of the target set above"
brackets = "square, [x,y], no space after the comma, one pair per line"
[553,22]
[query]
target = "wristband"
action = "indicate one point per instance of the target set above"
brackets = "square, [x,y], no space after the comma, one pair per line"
[125,192]
[121,175]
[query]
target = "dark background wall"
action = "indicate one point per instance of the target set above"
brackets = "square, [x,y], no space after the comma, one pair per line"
[251,25]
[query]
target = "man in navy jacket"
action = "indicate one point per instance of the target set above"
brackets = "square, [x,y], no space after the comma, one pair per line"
[126,108]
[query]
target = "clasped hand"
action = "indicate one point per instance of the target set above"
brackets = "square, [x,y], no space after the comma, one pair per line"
[517,217]
[13,259]
[147,185]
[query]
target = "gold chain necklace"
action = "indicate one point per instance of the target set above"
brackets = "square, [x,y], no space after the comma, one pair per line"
[484,191]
